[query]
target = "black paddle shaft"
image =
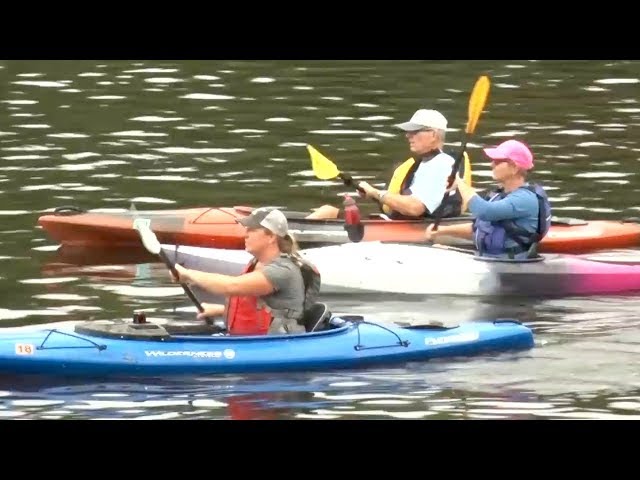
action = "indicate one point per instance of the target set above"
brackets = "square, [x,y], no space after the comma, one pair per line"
[185,287]
[348,181]
[452,177]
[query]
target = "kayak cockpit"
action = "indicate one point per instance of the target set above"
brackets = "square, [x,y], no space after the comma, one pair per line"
[536,259]
[143,331]
[318,319]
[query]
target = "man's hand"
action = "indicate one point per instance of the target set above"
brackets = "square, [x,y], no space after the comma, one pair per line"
[370,192]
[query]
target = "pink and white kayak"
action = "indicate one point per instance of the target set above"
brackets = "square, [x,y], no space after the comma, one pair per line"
[374,267]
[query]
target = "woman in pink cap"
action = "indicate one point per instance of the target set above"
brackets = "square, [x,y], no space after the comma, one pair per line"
[511,221]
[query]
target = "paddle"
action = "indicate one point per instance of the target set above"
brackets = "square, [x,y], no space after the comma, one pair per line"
[325,169]
[454,249]
[151,243]
[477,102]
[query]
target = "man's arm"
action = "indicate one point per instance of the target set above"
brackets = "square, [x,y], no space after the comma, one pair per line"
[404,204]
[428,189]
[462,230]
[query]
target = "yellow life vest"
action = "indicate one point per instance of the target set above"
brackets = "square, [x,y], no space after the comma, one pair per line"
[400,175]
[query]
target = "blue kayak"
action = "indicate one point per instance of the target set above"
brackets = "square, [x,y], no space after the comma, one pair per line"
[124,348]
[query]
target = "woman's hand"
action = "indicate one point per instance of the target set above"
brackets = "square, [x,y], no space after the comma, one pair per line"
[211,310]
[429,234]
[466,191]
[183,274]
[456,182]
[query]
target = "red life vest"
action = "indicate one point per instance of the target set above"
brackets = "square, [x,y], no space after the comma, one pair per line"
[243,315]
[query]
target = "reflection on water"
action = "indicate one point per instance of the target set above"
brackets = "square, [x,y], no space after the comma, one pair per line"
[476,389]
[156,134]
[582,366]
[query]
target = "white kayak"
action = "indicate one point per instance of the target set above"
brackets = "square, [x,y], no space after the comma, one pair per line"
[374,267]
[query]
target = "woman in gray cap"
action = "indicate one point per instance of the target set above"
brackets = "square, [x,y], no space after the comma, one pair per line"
[275,289]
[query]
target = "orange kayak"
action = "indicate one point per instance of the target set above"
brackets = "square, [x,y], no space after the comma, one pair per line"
[217,227]
[204,227]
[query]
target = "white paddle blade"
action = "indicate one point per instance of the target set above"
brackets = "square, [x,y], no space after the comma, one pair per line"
[149,239]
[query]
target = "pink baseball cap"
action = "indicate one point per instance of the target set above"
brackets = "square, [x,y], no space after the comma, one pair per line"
[512,150]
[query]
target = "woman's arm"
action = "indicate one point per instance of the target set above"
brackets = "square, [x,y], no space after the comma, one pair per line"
[518,204]
[462,230]
[211,310]
[253,283]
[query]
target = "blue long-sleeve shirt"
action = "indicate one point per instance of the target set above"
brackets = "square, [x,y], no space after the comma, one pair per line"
[521,206]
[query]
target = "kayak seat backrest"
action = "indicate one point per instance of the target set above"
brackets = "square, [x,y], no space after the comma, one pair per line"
[316,318]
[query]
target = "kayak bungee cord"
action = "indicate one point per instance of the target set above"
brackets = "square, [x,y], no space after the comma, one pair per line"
[358,346]
[69,334]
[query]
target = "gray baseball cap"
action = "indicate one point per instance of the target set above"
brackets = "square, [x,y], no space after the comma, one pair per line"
[269,218]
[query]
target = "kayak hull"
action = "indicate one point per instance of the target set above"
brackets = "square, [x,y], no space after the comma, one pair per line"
[217,228]
[375,267]
[351,342]
[209,227]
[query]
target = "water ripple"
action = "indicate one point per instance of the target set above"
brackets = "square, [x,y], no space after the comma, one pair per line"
[198,119]
[263,80]
[40,83]
[107,97]
[611,81]
[67,135]
[155,118]
[198,150]
[152,70]
[137,133]
[207,96]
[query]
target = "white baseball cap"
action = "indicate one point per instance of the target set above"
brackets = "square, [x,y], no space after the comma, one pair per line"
[424,118]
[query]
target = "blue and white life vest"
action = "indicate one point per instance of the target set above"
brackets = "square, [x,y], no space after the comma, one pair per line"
[490,237]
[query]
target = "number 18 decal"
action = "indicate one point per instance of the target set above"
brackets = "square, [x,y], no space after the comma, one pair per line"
[25,349]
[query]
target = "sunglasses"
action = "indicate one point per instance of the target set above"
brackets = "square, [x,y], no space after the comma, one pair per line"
[415,132]
[500,160]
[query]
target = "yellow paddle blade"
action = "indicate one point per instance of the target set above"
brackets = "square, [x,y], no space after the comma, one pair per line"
[477,102]
[323,168]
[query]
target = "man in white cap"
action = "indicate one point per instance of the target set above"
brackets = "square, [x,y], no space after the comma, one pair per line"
[418,185]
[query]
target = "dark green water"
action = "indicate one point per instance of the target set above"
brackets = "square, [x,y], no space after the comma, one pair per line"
[106,135]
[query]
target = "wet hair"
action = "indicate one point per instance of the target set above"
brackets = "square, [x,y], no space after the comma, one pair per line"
[288,244]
